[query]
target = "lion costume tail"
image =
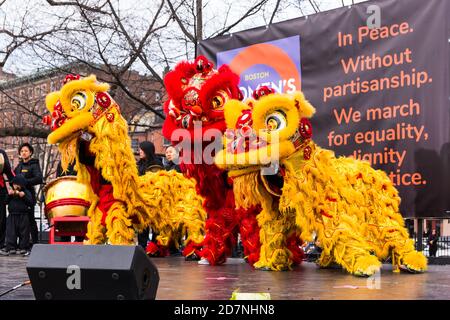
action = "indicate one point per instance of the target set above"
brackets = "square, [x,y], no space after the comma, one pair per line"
[180,208]
[353,208]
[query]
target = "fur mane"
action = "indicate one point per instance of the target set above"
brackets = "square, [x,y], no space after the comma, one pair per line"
[114,157]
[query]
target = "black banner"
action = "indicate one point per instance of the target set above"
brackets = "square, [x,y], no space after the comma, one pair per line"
[381,94]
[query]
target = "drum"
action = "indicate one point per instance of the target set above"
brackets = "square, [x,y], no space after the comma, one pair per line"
[65,196]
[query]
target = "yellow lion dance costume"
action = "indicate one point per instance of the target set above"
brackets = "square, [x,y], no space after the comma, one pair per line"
[352,208]
[87,126]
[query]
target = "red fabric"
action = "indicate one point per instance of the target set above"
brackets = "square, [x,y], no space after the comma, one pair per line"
[211,183]
[294,245]
[2,179]
[95,178]
[170,126]
[221,231]
[192,248]
[106,200]
[66,202]
[177,86]
[156,250]
[222,223]
[249,230]
[103,191]
[152,248]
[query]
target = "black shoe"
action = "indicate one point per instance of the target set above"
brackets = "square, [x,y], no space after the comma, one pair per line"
[192,257]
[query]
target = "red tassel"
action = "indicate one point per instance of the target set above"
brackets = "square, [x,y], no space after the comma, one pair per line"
[294,243]
[152,248]
[156,250]
[249,230]
[192,248]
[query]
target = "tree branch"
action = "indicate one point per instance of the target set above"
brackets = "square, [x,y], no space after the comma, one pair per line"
[114,74]
[274,11]
[24,132]
[313,5]
[180,23]
[97,9]
[253,10]
[138,50]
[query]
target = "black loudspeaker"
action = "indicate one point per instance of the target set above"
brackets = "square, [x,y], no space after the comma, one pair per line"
[96,272]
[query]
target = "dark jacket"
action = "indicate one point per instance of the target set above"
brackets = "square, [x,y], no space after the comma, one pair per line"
[70,170]
[433,240]
[18,205]
[5,169]
[170,165]
[145,166]
[151,163]
[31,170]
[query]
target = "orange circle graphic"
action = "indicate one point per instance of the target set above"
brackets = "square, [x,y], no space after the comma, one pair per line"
[269,55]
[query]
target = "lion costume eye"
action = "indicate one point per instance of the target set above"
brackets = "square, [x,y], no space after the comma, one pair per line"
[78,101]
[276,121]
[218,102]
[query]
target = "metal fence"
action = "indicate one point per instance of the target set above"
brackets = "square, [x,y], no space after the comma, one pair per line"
[443,246]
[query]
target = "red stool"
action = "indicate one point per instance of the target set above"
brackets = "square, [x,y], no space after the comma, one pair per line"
[68,226]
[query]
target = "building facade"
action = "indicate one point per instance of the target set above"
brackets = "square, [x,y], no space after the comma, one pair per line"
[22,106]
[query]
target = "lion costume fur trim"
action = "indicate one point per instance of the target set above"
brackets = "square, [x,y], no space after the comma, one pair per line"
[352,208]
[166,201]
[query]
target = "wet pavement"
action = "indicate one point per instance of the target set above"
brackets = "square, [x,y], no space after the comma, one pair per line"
[183,280]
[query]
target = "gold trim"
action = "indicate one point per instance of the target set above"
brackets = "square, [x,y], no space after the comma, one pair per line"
[267,186]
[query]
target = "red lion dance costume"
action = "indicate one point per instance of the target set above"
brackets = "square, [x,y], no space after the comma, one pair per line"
[198,92]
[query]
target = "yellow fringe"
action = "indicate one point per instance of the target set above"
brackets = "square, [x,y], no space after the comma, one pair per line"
[352,208]
[275,227]
[166,201]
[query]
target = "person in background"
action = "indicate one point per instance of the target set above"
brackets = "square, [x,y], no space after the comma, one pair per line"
[171,162]
[148,162]
[31,170]
[433,243]
[5,170]
[18,224]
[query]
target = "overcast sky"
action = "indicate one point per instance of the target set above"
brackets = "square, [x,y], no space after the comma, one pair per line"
[22,62]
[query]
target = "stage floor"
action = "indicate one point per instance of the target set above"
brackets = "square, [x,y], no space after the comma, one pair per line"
[182,280]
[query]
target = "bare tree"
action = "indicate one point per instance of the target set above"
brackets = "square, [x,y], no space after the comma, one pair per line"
[24,32]
[127,44]
[108,37]
[112,40]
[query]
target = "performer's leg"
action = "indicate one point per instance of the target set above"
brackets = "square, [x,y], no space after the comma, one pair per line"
[345,245]
[413,260]
[195,231]
[391,237]
[250,230]
[96,231]
[119,228]
[214,247]
[276,228]
[294,245]
[143,238]
[220,236]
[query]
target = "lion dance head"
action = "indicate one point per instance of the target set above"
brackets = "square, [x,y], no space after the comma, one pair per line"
[198,92]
